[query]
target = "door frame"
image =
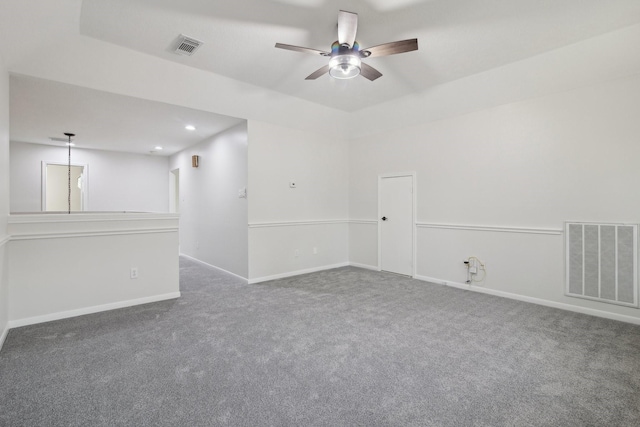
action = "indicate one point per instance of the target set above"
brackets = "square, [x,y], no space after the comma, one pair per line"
[174,190]
[414,212]
[85,183]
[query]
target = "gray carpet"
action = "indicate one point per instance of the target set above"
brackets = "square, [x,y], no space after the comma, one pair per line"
[344,347]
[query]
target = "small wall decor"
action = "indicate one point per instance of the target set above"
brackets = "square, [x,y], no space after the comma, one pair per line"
[195,161]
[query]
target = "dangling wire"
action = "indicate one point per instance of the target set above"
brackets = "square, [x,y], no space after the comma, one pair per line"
[69,178]
[69,135]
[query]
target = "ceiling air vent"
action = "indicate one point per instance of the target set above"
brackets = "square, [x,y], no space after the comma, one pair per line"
[187,45]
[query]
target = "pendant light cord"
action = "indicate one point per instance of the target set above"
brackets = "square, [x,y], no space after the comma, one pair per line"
[69,178]
[69,135]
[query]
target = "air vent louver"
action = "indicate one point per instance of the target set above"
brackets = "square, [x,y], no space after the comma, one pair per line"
[187,45]
[602,262]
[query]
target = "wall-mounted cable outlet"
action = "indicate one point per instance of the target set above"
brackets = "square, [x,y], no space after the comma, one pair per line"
[476,270]
[134,273]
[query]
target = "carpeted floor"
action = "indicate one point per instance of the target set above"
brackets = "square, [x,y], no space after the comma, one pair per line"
[345,347]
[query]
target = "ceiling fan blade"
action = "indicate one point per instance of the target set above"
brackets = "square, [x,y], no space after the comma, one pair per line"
[368,72]
[390,48]
[302,49]
[347,27]
[319,72]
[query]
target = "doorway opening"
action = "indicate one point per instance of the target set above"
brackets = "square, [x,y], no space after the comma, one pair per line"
[56,191]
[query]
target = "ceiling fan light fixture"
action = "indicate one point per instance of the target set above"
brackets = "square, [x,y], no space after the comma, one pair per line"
[344,66]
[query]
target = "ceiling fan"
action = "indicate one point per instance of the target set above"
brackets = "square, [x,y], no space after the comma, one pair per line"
[346,55]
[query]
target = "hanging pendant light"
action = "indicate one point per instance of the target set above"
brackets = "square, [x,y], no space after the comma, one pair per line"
[69,135]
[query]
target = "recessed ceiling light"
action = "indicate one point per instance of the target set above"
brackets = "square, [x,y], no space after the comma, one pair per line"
[190,127]
[158,147]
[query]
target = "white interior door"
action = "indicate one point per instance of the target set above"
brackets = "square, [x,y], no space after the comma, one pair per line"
[396,224]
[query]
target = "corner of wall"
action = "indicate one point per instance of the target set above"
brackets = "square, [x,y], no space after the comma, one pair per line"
[4,199]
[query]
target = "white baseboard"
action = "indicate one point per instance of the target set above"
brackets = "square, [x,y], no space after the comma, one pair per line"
[90,310]
[365,266]
[297,273]
[3,336]
[431,280]
[533,300]
[213,266]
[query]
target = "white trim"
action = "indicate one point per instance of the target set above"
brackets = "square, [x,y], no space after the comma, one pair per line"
[5,331]
[212,266]
[296,273]
[431,280]
[3,336]
[296,223]
[364,221]
[365,266]
[533,300]
[499,229]
[48,218]
[92,233]
[90,310]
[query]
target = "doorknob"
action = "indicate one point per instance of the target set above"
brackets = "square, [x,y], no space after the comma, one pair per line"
[384,218]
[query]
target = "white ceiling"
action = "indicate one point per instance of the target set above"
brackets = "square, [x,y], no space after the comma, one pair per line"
[457,38]
[41,109]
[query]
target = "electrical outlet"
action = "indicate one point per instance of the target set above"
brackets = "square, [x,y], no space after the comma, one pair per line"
[134,272]
[296,253]
[315,250]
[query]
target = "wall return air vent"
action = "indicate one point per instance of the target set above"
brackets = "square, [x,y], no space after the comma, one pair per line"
[187,45]
[601,262]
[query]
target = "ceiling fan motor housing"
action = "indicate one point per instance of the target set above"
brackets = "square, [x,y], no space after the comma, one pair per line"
[346,57]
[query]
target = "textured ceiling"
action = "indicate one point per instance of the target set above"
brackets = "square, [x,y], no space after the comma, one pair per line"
[457,38]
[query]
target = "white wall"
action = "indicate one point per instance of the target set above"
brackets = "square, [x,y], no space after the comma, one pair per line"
[450,156]
[606,57]
[213,219]
[4,198]
[521,168]
[116,181]
[283,220]
[67,265]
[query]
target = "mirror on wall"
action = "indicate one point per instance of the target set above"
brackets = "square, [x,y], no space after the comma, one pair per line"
[55,187]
